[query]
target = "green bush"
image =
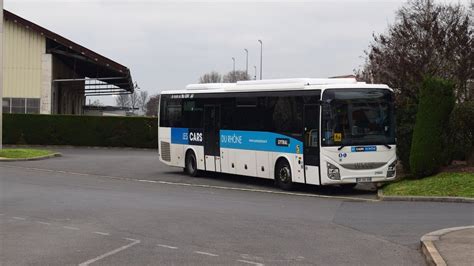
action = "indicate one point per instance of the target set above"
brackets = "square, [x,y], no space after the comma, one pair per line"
[138,132]
[427,149]
[405,116]
[460,138]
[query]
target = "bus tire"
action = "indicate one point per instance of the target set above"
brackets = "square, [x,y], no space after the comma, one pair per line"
[283,175]
[190,164]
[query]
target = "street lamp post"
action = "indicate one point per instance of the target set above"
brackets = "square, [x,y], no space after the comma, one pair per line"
[255,76]
[261,57]
[246,62]
[233,71]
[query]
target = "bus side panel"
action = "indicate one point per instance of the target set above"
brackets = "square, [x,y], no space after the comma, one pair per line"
[297,168]
[228,161]
[210,163]
[245,162]
[312,174]
[177,156]
[263,169]
[164,135]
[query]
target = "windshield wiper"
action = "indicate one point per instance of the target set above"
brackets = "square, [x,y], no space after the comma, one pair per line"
[386,145]
[342,146]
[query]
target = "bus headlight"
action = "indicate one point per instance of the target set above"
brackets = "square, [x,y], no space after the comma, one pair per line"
[333,172]
[392,169]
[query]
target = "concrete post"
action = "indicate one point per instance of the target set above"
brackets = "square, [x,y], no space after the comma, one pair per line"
[1,73]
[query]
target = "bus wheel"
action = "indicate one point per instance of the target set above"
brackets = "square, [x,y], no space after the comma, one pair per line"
[283,175]
[191,164]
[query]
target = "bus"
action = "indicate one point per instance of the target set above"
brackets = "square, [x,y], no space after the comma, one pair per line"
[317,131]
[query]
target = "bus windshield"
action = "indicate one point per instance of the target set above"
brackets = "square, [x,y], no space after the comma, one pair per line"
[358,117]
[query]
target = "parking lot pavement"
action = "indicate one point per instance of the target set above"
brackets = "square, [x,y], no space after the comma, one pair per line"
[56,212]
[145,165]
[27,240]
[174,224]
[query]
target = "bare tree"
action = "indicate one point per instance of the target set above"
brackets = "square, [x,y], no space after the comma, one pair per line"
[123,100]
[152,105]
[142,100]
[211,77]
[235,76]
[427,38]
[134,99]
[96,102]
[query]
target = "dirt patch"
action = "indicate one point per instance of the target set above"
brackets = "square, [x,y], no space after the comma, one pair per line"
[459,167]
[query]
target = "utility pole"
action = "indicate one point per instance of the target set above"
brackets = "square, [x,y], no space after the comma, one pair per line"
[261,57]
[233,68]
[246,62]
[233,71]
[1,75]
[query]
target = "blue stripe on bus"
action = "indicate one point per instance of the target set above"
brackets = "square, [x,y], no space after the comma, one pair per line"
[260,141]
[246,140]
[179,135]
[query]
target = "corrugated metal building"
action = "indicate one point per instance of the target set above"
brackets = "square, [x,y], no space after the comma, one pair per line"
[46,73]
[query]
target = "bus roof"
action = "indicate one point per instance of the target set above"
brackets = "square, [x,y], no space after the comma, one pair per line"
[276,85]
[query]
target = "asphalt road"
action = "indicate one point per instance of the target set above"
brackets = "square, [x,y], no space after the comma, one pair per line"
[122,207]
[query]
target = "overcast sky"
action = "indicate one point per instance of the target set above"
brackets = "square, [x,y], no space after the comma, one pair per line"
[168,45]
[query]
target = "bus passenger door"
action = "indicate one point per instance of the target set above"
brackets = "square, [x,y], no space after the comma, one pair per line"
[211,138]
[311,143]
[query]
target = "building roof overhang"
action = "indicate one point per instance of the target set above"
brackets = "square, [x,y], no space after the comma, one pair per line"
[107,76]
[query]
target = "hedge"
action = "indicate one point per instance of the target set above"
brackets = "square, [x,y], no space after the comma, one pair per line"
[460,138]
[137,132]
[428,150]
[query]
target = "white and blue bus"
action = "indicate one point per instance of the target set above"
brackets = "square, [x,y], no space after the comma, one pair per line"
[311,131]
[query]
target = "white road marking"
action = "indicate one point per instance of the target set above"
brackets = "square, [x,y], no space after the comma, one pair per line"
[45,223]
[166,246]
[19,218]
[251,262]
[206,253]
[70,228]
[112,252]
[198,185]
[102,233]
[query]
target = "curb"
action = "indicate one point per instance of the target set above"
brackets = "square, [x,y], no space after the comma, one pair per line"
[429,250]
[381,196]
[57,154]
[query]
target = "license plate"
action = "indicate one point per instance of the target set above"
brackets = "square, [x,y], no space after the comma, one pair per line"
[363,179]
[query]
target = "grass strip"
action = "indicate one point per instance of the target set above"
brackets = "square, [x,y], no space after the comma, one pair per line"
[23,153]
[445,184]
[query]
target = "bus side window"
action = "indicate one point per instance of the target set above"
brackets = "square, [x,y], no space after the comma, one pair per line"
[246,115]
[227,113]
[173,110]
[192,114]
[288,115]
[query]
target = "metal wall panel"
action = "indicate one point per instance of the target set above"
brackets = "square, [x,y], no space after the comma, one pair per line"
[22,50]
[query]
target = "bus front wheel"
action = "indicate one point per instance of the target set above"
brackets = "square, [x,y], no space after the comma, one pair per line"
[283,175]
[190,166]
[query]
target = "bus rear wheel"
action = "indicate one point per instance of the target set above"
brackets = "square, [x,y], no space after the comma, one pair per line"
[190,166]
[283,175]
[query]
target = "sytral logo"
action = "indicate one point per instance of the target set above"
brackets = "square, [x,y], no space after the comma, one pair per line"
[285,142]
